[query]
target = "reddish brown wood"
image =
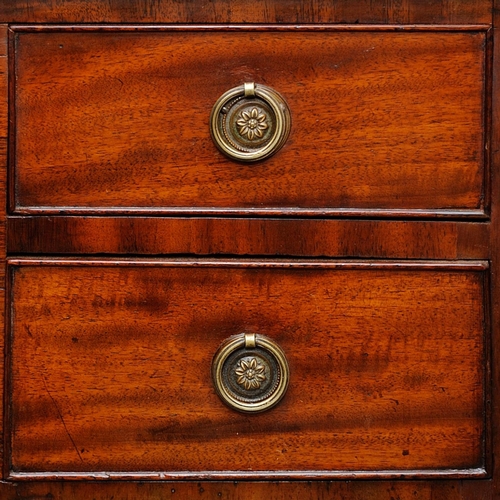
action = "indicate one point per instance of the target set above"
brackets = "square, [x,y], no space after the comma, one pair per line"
[225,236]
[342,238]
[3,147]
[381,120]
[110,368]
[317,490]
[495,246]
[241,11]
[3,191]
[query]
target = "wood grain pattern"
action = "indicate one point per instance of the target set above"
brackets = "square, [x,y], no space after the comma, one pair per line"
[214,235]
[3,202]
[110,368]
[381,120]
[241,11]
[230,236]
[205,490]
[236,490]
[495,255]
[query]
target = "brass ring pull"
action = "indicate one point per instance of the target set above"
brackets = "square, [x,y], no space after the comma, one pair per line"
[250,122]
[250,372]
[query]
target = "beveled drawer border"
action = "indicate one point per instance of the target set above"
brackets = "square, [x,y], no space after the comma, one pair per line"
[455,265]
[479,214]
[480,266]
[249,27]
[256,475]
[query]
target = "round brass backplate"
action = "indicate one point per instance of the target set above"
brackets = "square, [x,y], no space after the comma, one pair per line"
[250,122]
[250,372]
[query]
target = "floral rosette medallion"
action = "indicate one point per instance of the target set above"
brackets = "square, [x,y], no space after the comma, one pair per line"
[250,123]
[250,372]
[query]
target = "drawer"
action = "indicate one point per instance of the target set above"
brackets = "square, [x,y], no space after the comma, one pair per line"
[109,368]
[117,120]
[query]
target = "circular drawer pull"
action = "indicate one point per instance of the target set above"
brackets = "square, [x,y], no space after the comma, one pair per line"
[250,122]
[250,372]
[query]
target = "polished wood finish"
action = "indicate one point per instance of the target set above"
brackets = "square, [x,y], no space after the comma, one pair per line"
[235,236]
[110,368]
[122,233]
[256,490]
[495,254]
[117,119]
[242,11]
[3,199]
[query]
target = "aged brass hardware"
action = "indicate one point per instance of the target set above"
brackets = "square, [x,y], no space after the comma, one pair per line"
[250,372]
[250,122]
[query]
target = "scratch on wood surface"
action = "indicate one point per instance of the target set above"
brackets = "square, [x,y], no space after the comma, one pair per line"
[61,418]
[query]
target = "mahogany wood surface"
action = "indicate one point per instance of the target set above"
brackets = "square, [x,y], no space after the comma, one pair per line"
[238,236]
[381,120]
[243,11]
[3,198]
[236,490]
[495,255]
[122,233]
[110,368]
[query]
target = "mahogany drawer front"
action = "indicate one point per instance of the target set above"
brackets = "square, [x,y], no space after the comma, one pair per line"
[117,119]
[109,368]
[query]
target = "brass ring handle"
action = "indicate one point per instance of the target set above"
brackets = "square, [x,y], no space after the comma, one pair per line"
[250,372]
[250,122]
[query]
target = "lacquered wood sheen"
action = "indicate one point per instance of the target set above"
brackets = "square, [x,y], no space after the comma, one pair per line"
[380,120]
[368,248]
[110,369]
[3,201]
[495,256]
[231,236]
[242,11]
[205,490]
